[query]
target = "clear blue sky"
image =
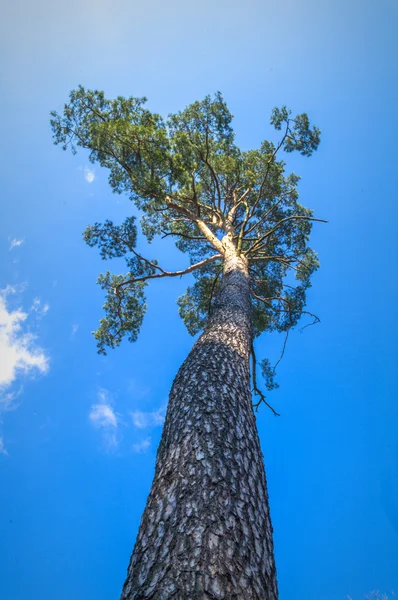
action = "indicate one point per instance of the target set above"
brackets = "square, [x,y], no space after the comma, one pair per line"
[79,432]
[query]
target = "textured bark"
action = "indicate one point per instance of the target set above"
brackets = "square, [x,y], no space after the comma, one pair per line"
[206,530]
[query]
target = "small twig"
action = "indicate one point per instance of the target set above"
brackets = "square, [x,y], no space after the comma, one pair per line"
[212,290]
[269,162]
[258,245]
[283,351]
[256,390]
[262,399]
[314,322]
[183,235]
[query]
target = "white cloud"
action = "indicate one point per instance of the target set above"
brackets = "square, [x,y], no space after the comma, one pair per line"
[19,353]
[7,399]
[13,289]
[75,328]
[14,243]
[39,308]
[2,448]
[142,420]
[104,396]
[111,423]
[142,446]
[89,175]
[103,417]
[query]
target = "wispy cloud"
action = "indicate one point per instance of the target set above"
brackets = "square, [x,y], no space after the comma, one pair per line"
[2,448]
[104,418]
[75,328]
[104,396]
[111,424]
[15,242]
[8,399]
[19,352]
[142,419]
[142,446]
[89,175]
[39,308]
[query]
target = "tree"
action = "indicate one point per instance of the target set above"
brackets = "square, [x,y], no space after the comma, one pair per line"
[206,530]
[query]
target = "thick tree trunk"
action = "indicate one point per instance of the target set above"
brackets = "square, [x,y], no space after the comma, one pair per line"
[206,530]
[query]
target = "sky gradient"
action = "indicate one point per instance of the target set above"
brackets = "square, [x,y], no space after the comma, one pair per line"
[78,432]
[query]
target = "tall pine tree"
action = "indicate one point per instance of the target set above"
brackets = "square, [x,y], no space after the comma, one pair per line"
[206,530]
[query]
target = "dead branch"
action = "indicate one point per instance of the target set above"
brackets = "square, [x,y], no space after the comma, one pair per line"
[163,273]
[256,390]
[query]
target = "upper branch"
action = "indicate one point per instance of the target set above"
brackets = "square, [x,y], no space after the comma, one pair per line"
[207,232]
[269,162]
[258,245]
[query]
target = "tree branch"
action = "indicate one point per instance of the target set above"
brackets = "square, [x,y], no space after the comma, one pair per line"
[212,290]
[183,235]
[164,273]
[315,321]
[263,218]
[256,390]
[207,232]
[236,204]
[283,351]
[280,299]
[268,167]
[258,244]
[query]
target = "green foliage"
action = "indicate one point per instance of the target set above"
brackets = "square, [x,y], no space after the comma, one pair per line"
[125,299]
[124,311]
[298,137]
[113,241]
[268,372]
[194,306]
[191,182]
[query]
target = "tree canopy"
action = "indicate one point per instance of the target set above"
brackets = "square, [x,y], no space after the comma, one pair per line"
[190,181]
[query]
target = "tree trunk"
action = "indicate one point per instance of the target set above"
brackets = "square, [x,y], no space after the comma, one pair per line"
[206,531]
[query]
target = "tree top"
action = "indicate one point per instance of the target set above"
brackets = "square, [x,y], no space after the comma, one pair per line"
[190,181]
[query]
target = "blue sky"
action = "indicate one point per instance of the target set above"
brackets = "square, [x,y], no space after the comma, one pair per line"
[78,431]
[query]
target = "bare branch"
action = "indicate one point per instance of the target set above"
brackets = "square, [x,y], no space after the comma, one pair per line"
[315,321]
[263,218]
[212,290]
[258,244]
[236,204]
[270,161]
[242,229]
[268,302]
[256,390]
[183,235]
[282,259]
[207,232]
[164,273]
[283,351]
